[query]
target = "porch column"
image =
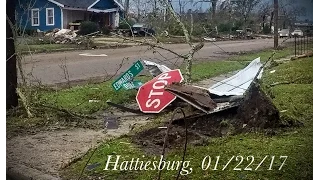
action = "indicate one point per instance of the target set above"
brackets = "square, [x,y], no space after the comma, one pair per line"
[116,19]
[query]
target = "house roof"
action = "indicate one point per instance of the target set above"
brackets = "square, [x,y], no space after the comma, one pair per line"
[79,4]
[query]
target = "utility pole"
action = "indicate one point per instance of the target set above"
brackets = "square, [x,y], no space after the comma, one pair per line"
[275,31]
[138,10]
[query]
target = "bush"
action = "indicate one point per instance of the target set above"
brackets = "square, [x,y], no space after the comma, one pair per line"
[126,23]
[88,27]
[175,29]
[266,30]
[224,27]
[106,30]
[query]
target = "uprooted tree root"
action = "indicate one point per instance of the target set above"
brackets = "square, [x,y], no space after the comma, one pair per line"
[256,113]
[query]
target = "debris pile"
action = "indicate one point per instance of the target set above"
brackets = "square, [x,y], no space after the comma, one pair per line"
[63,36]
[231,106]
[219,97]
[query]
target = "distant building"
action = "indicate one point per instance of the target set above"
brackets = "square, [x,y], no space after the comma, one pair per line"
[49,14]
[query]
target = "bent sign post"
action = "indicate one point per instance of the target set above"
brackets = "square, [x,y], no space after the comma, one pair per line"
[127,76]
[152,98]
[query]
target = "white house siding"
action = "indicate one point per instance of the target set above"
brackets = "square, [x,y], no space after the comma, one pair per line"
[71,16]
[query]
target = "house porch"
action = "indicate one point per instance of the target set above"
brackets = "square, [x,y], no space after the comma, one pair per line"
[74,17]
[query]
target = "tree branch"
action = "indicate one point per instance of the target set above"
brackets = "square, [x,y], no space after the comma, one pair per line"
[153,45]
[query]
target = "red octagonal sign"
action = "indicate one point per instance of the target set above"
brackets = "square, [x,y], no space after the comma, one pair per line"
[152,98]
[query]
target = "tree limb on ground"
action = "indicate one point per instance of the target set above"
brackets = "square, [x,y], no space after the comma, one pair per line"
[65,111]
[309,54]
[24,102]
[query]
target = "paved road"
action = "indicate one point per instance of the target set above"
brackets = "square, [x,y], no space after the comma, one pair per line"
[47,67]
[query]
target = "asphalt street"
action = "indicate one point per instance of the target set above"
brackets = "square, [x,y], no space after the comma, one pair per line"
[85,64]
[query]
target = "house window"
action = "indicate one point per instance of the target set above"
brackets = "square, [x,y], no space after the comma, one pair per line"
[50,16]
[35,17]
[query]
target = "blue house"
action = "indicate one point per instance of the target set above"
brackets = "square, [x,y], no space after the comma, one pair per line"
[49,14]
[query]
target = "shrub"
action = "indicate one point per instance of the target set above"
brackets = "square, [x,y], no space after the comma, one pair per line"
[126,23]
[266,30]
[88,27]
[106,30]
[175,29]
[224,27]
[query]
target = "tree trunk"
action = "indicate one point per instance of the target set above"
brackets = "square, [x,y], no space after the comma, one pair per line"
[11,84]
[213,7]
[126,8]
[276,7]
[180,9]
[138,10]
[271,20]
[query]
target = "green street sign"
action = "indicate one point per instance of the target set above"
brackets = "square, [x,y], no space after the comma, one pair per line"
[132,85]
[127,76]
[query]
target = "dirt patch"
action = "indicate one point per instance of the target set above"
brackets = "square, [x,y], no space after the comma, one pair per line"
[199,129]
[53,147]
[256,113]
[151,140]
[49,151]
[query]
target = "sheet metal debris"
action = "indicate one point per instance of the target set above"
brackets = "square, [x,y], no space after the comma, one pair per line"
[238,83]
[155,69]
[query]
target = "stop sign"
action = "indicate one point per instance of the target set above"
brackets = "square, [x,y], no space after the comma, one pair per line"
[152,98]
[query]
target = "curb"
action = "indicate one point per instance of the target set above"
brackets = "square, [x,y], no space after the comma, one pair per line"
[22,172]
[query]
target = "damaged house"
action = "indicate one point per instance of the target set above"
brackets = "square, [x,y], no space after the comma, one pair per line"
[44,15]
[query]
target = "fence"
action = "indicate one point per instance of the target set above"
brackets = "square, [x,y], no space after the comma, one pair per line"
[302,44]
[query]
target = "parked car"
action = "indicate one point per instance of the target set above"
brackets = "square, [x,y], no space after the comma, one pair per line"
[141,29]
[297,32]
[284,33]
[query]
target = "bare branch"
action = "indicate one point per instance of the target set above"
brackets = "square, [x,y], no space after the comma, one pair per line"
[152,45]
[177,19]
[120,66]
[24,102]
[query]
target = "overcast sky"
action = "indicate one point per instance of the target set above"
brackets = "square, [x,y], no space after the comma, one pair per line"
[308,4]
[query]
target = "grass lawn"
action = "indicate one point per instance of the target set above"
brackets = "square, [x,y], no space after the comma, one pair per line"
[294,101]
[43,48]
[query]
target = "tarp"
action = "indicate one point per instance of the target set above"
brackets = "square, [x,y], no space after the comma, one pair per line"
[238,83]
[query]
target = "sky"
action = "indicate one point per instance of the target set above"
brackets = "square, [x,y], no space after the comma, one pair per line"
[196,4]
